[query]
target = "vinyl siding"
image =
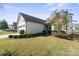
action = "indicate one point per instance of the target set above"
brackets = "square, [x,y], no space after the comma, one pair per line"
[21,24]
[29,27]
[33,27]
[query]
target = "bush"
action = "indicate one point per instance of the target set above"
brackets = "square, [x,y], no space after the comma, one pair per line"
[10,36]
[26,35]
[15,36]
[49,32]
[44,32]
[20,36]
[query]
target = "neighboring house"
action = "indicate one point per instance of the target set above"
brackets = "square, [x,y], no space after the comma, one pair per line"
[29,24]
[15,26]
[10,27]
[76,28]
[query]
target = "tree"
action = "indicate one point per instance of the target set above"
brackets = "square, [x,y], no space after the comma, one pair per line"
[3,24]
[56,20]
[0,25]
[60,18]
[67,18]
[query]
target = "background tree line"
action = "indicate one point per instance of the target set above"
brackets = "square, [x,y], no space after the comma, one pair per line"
[3,24]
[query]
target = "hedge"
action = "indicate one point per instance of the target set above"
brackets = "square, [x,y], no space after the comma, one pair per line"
[26,35]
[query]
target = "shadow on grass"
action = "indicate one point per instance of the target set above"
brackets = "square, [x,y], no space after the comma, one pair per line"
[27,36]
[64,36]
[70,37]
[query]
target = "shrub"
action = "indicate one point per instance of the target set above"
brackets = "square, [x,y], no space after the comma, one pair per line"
[26,35]
[10,36]
[15,36]
[44,32]
[19,36]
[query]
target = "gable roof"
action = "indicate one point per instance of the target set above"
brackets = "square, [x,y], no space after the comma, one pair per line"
[32,19]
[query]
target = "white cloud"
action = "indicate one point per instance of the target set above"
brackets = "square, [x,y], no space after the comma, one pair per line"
[53,6]
[50,4]
[61,4]
[56,4]
[9,6]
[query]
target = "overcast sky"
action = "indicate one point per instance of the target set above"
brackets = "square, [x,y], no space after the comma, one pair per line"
[10,11]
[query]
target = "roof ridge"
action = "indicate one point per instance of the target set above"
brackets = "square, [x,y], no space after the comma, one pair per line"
[30,15]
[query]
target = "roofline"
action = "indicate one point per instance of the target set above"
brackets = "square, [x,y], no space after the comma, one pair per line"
[29,15]
[20,13]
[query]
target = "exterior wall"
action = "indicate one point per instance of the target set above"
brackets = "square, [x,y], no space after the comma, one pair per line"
[29,27]
[33,28]
[69,31]
[52,28]
[21,24]
[69,28]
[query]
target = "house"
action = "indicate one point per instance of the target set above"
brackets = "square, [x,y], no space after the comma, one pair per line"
[27,24]
[10,27]
[76,28]
[15,26]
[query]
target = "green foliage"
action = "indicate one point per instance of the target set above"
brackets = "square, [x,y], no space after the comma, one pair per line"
[26,35]
[60,18]
[3,24]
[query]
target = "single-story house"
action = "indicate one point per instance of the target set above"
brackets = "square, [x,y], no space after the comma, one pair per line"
[76,28]
[27,24]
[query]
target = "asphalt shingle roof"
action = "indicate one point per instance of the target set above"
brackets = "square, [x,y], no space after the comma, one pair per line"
[33,19]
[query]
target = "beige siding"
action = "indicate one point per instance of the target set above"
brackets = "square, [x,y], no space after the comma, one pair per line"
[29,27]
[21,24]
[21,21]
[34,27]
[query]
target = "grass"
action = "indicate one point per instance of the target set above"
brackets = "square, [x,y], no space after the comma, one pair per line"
[5,32]
[43,46]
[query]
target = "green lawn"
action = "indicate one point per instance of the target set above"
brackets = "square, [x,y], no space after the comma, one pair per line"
[39,46]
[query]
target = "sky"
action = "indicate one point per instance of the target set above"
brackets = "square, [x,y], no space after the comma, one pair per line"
[9,11]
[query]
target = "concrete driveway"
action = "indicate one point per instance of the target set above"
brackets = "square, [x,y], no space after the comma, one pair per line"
[3,36]
[6,35]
